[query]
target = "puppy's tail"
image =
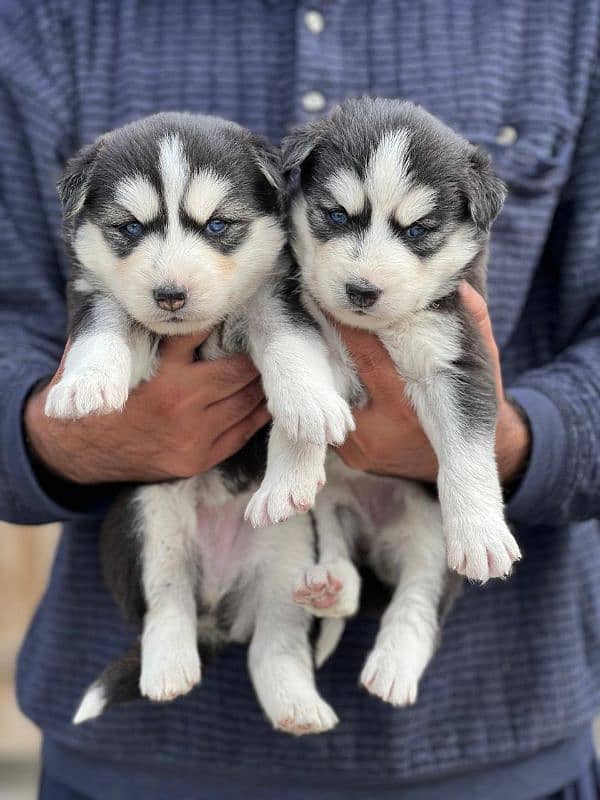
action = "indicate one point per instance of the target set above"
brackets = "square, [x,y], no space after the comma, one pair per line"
[119,683]
[328,637]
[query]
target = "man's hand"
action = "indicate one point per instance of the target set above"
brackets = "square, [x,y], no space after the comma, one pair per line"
[389,438]
[187,418]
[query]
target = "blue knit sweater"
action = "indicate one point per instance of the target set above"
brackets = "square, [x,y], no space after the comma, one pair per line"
[519,667]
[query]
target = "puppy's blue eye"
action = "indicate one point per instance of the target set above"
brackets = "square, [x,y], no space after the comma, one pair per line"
[416,231]
[216,226]
[133,229]
[338,216]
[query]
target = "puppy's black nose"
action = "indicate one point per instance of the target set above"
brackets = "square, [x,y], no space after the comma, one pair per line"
[362,295]
[170,298]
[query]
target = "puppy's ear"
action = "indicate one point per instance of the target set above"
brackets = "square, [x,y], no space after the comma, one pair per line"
[300,143]
[73,184]
[484,190]
[268,158]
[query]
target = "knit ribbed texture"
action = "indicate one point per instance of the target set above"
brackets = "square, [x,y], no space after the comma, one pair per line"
[519,667]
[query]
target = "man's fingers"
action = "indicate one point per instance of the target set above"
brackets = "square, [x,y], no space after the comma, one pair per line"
[478,310]
[227,412]
[373,363]
[181,349]
[233,439]
[225,376]
[61,367]
[351,454]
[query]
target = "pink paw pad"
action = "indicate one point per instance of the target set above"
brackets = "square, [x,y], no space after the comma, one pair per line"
[301,506]
[318,590]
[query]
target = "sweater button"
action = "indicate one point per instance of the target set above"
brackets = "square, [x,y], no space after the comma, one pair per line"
[314,21]
[506,136]
[313,101]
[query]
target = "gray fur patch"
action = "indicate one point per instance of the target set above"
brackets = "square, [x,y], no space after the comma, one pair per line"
[120,551]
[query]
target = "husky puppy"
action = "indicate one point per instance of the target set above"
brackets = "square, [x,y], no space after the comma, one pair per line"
[174,225]
[389,211]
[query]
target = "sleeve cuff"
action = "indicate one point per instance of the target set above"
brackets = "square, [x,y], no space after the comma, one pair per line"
[38,497]
[541,482]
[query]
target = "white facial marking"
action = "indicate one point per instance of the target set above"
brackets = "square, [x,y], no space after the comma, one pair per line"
[206,192]
[348,190]
[390,182]
[415,204]
[388,170]
[138,196]
[459,248]
[94,253]
[174,170]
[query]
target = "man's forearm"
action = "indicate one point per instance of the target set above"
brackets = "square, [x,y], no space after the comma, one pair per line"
[65,448]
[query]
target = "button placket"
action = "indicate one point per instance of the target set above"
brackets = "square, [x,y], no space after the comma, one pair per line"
[318,60]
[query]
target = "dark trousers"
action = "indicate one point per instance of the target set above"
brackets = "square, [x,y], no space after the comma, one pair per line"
[51,789]
[586,787]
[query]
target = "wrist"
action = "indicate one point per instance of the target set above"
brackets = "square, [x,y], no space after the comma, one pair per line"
[64,489]
[513,442]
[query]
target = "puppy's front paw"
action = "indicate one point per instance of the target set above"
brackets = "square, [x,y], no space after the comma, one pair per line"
[281,497]
[481,551]
[329,590]
[89,392]
[313,415]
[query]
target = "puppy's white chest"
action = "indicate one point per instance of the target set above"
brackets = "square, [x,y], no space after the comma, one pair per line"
[144,357]
[423,345]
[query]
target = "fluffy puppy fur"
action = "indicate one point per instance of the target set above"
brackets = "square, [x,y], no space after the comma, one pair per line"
[173,225]
[390,210]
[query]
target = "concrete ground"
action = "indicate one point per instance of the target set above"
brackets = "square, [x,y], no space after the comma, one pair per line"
[18,781]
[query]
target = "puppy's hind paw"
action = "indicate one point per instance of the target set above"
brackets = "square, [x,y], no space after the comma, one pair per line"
[170,667]
[329,590]
[302,717]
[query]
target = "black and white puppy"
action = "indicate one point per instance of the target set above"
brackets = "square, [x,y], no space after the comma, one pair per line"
[390,209]
[174,225]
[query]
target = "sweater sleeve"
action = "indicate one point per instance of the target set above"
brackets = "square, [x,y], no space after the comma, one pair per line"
[562,398]
[35,138]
